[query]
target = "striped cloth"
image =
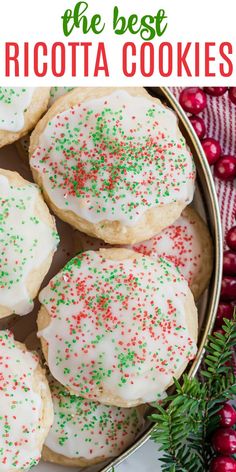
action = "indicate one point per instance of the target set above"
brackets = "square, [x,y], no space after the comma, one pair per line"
[220,120]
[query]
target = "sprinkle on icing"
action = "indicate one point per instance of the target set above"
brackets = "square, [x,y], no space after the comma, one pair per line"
[13,104]
[88,430]
[114,158]
[25,243]
[128,319]
[57,92]
[20,407]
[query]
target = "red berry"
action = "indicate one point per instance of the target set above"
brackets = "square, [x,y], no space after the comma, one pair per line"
[193,100]
[231,238]
[225,310]
[224,441]
[228,288]
[212,149]
[223,464]
[225,168]
[215,91]
[232,94]
[198,125]
[227,415]
[229,263]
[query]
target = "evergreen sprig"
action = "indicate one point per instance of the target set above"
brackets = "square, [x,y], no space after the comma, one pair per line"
[184,421]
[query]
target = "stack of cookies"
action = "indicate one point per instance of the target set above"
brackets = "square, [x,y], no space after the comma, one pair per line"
[119,321]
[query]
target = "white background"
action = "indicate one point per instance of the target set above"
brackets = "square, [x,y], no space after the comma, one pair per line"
[203,20]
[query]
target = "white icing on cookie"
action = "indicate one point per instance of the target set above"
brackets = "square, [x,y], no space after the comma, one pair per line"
[113,158]
[89,430]
[13,104]
[129,320]
[20,407]
[25,243]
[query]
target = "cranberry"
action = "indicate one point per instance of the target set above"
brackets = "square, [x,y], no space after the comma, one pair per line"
[229,263]
[225,310]
[231,238]
[227,415]
[215,91]
[223,464]
[225,168]
[232,94]
[193,100]
[224,441]
[212,149]
[228,288]
[198,126]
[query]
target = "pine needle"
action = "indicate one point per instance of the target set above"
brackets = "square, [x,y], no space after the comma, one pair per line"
[185,421]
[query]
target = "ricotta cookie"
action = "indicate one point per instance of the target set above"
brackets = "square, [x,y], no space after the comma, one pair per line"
[112,163]
[85,433]
[116,326]
[20,110]
[26,412]
[187,243]
[28,240]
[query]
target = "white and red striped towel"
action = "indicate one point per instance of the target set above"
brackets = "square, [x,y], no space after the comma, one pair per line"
[220,121]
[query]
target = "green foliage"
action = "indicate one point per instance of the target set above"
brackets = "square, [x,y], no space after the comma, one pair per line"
[184,422]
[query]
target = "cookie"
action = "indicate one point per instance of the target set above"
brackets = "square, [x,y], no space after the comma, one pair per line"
[20,110]
[28,240]
[186,243]
[112,163]
[116,326]
[86,433]
[26,411]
